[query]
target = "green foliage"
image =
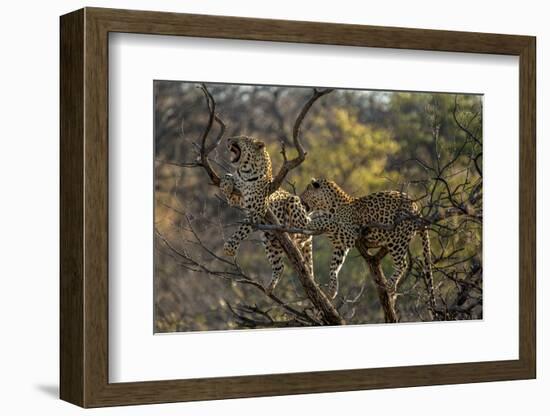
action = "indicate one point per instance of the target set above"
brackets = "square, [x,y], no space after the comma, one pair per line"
[352,153]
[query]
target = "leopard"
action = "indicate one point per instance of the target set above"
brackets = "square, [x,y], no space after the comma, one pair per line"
[248,188]
[344,218]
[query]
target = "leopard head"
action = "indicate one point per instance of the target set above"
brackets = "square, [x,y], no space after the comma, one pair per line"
[324,195]
[250,157]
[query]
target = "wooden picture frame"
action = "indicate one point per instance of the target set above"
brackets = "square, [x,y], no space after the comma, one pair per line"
[84,207]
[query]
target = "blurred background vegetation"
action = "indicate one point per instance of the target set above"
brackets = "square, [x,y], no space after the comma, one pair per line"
[365,141]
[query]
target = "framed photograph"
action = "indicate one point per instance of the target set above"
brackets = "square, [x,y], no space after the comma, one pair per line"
[257,207]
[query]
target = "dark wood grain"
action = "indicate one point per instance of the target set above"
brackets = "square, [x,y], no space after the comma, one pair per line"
[527,208]
[96,146]
[162,23]
[84,207]
[71,99]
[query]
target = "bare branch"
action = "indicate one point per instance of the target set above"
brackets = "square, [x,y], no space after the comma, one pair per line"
[236,275]
[461,126]
[204,150]
[282,228]
[288,165]
[219,138]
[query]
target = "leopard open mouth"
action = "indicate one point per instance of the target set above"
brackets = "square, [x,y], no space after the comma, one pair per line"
[306,205]
[235,152]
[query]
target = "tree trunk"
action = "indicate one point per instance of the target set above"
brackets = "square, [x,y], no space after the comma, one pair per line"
[387,294]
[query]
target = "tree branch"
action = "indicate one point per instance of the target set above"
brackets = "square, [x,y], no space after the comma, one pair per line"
[288,165]
[312,289]
[204,150]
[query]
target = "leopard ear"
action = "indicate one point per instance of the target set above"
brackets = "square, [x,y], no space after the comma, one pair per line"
[259,144]
[315,183]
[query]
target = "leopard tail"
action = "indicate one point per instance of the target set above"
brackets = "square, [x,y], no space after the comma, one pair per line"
[428,274]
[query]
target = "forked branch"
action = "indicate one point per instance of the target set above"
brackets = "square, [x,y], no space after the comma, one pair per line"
[288,165]
[204,149]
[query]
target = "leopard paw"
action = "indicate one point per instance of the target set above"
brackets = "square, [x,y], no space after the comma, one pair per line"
[271,286]
[227,184]
[230,249]
[331,291]
[390,286]
[320,215]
